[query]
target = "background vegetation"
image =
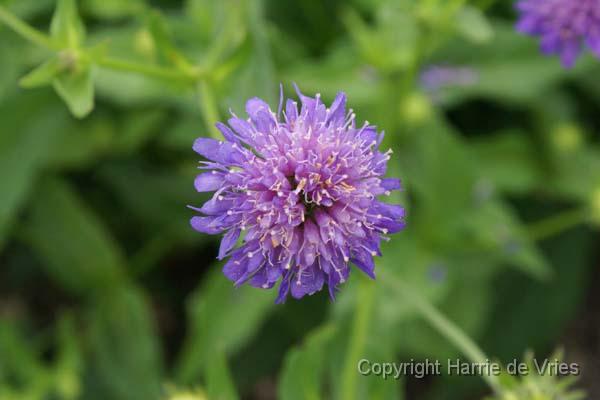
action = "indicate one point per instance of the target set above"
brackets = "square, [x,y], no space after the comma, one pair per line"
[106,292]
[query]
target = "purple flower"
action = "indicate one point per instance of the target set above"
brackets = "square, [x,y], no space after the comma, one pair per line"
[296,195]
[437,77]
[563,25]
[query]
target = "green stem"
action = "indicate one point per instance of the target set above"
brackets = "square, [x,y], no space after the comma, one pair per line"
[149,70]
[446,328]
[358,338]
[26,31]
[557,223]
[208,107]
[40,39]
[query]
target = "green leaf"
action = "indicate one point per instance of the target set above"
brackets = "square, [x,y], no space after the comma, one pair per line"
[508,162]
[390,45]
[509,68]
[473,25]
[28,9]
[19,358]
[495,229]
[76,88]
[66,26]
[341,68]
[124,347]
[219,383]
[25,144]
[532,314]
[303,368]
[138,128]
[161,35]
[44,74]
[82,143]
[113,9]
[155,198]
[77,251]
[183,132]
[579,176]
[220,317]
[440,173]
[420,339]
[9,50]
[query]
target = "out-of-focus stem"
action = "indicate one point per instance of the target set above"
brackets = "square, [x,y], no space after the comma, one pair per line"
[556,224]
[358,338]
[42,40]
[208,107]
[25,30]
[148,70]
[445,327]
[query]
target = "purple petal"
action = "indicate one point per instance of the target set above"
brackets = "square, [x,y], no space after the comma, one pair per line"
[307,281]
[284,289]
[215,206]
[364,260]
[255,105]
[570,52]
[208,225]
[337,111]
[227,243]
[227,132]
[593,42]
[215,150]
[208,182]
[391,184]
[235,268]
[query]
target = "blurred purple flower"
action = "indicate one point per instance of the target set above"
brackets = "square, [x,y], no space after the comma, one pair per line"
[563,25]
[302,186]
[436,77]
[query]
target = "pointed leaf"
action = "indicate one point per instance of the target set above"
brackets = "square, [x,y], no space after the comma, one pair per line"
[77,90]
[43,75]
[303,367]
[66,25]
[222,317]
[473,25]
[25,144]
[77,251]
[124,346]
[219,383]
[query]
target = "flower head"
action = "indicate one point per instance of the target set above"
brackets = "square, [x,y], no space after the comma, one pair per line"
[296,195]
[563,25]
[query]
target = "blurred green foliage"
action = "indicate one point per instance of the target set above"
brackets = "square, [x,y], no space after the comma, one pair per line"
[107,293]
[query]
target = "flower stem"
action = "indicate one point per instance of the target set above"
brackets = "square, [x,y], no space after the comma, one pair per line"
[446,328]
[42,40]
[358,338]
[153,71]
[25,30]
[557,223]
[208,107]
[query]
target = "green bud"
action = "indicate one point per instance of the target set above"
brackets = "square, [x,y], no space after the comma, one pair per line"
[567,138]
[68,385]
[188,396]
[415,108]
[144,44]
[173,393]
